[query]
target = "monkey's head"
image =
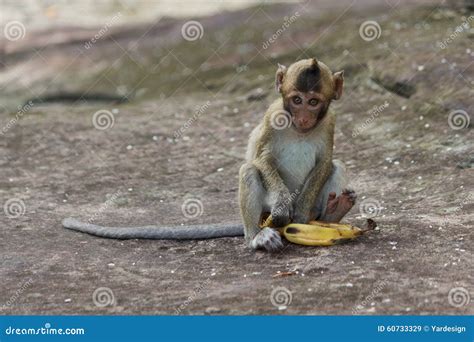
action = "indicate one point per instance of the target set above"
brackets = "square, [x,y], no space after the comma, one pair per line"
[307,88]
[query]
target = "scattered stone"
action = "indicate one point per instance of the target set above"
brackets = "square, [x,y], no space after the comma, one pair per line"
[213,310]
[466,164]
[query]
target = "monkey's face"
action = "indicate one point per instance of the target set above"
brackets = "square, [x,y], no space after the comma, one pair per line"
[306,109]
[307,88]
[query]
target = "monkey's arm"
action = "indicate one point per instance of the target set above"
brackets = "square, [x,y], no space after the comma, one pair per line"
[204,231]
[272,180]
[311,189]
[282,208]
[264,161]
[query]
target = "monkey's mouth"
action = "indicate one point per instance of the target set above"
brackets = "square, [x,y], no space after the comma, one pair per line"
[304,130]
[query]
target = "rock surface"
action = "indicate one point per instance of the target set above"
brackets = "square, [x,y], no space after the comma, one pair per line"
[171,155]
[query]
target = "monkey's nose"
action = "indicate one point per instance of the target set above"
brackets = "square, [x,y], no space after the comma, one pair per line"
[303,121]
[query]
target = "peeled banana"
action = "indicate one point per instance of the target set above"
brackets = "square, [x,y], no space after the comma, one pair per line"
[318,233]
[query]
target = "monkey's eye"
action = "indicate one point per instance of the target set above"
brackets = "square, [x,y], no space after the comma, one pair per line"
[297,100]
[313,102]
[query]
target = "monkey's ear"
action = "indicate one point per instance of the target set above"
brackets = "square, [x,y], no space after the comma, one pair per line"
[279,77]
[338,84]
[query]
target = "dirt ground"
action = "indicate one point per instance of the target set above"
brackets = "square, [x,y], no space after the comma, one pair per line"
[181,137]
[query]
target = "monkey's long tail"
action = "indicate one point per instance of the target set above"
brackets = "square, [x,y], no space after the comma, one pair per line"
[204,231]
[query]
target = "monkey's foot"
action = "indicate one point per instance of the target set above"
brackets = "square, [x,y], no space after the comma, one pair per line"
[339,206]
[268,239]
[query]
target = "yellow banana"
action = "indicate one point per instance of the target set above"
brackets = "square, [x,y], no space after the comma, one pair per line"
[321,233]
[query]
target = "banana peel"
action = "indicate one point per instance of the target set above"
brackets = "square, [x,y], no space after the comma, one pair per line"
[318,233]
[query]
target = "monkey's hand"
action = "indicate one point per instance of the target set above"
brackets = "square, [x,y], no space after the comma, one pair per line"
[268,239]
[282,210]
[302,217]
[302,212]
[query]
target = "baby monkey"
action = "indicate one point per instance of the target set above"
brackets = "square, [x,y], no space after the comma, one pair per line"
[289,171]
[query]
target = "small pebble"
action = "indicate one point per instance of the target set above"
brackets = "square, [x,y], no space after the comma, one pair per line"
[212,309]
